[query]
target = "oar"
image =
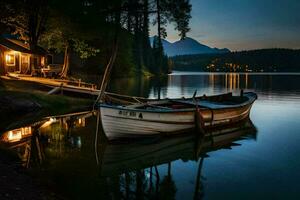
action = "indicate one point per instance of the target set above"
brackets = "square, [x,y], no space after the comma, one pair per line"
[198,117]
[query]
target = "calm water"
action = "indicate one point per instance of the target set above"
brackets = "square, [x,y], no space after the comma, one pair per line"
[256,160]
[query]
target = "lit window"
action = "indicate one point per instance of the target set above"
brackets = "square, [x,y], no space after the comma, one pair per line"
[10,59]
[15,135]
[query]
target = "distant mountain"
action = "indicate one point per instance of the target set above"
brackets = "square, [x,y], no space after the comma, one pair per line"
[188,46]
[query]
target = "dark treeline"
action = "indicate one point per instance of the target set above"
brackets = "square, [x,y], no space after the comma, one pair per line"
[84,31]
[264,60]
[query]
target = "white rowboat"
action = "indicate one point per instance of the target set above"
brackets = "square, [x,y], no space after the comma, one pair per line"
[171,116]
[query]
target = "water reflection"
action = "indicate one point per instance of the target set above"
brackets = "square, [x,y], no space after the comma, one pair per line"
[127,170]
[184,84]
[140,162]
[53,133]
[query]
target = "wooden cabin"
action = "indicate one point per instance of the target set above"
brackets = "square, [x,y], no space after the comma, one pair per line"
[16,56]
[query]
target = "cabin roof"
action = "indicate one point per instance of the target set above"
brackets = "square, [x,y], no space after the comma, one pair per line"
[21,46]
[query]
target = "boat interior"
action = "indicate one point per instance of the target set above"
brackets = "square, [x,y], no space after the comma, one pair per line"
[211,102]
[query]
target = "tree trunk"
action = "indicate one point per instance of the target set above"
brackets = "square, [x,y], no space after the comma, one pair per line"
[37,16]
[129,14]
[159,37]
[66,65]
[158,22]
[137,49]
[146,42]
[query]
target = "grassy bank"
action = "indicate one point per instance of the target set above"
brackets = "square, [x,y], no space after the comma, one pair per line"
[22,101]
[52,104]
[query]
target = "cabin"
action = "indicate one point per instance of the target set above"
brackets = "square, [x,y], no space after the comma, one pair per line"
[16,56]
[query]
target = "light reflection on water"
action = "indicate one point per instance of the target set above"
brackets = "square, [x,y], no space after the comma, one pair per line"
[260,161]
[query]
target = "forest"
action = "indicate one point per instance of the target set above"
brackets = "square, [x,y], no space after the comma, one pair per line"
[87,32]
[263,60]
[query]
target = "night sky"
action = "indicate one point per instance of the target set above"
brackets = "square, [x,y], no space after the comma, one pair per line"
[244,24]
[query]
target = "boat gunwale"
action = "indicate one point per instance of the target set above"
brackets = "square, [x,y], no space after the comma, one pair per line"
[251,98]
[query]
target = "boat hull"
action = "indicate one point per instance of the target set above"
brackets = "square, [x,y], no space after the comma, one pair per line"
[118,123]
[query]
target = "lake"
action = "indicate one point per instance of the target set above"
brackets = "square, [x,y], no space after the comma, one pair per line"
[257,160]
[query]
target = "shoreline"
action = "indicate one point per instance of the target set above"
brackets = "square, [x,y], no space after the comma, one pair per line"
[20,103]
[178,72]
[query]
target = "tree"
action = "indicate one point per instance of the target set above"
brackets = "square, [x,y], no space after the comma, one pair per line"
[65,35]
[147,51]
[180,14]
[170,11]
[73,25]
[27,19]
[161,60]
[37,15]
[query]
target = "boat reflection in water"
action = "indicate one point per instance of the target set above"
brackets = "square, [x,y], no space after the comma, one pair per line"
[127,169]
[136,165]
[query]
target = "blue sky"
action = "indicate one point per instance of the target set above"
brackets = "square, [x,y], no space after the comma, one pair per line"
[244,24]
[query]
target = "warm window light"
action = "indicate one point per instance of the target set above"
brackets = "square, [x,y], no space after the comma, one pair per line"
[81,122]
[10,59]
[18,134]
[14,136]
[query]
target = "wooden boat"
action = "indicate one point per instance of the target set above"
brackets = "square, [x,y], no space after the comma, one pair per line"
[171,116]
